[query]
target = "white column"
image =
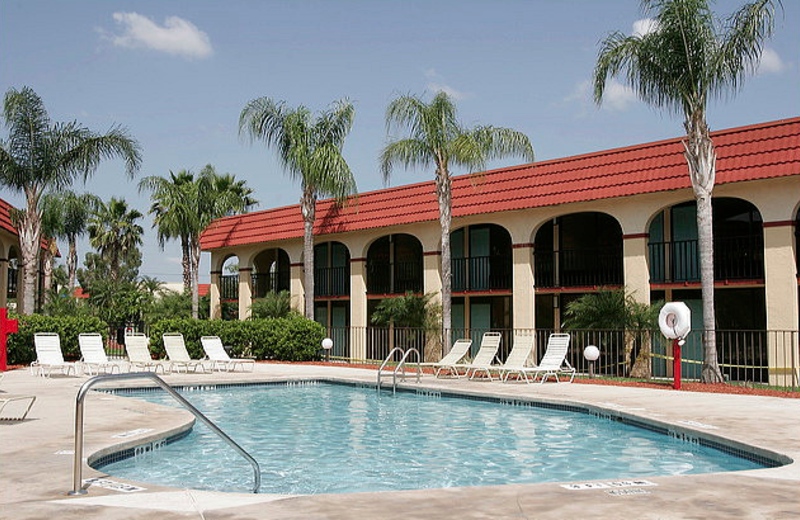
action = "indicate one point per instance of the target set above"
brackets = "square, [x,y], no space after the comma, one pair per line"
[296,287]
[358,308]
[523,297]
[780,280]
[245,292]
[215,296]
[635,270]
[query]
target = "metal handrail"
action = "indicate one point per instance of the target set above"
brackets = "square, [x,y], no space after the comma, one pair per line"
[403,365]
[77,478]
[386,362]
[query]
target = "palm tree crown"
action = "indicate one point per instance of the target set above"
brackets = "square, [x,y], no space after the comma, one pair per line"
[687,58]
[437,140]
[309,147]
[114,232]
[39,156]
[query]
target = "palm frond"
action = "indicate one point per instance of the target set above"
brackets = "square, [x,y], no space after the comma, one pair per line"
[411,153]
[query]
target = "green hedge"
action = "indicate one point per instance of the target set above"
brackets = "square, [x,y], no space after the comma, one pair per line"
[20,345]
[293,338]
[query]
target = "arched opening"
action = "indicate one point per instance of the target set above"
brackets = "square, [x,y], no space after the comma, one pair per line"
[270,272]
[482,281]
[332,293]
[14,273]
[739,295]
[394,265]
[229,288]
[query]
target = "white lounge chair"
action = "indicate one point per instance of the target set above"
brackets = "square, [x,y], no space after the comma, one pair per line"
[178,355]
[49,356]
[137,345]
[15,407]
[220,360]
[484,359]
[93,355]
[519,357]
[553,363]
[447,365]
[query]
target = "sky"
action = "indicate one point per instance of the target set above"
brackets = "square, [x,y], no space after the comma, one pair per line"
[177,74]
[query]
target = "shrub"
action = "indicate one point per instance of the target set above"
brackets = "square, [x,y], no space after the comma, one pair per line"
[293,338]
[20,345]
[272,305]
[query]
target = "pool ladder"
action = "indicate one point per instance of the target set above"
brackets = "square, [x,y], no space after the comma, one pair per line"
[77,480]
[399,366]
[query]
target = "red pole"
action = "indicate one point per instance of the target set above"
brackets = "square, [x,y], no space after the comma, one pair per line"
[676,364]
[3,342]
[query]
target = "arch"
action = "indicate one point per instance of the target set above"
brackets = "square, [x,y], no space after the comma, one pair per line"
[270,272]
[394,264]
[738,242]
[481,258]
[582,249]
[331,269]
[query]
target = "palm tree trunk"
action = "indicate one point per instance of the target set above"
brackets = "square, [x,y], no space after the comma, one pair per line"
[186,264]
[195,264]
[72,263]
[445,218]
[308,207]
[48,256]
[30,232]
[701,158]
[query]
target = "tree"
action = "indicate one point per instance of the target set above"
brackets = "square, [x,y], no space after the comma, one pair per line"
[437,140]
[67,215]
[171,214]
[310,148]
[687,58]
[612,311]
[113,231]
[272,305]
[40,155]
[184,205]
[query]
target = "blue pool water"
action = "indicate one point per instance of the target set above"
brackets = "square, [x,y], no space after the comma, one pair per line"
[327,438]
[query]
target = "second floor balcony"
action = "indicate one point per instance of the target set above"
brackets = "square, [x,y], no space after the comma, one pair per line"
[331,281]
[583,267]
[482,273]
[229,286]
[394,277]
[735,258]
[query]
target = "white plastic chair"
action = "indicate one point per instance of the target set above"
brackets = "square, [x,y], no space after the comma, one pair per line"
[220,360]
[553,363]
[93,355]
[137,345]
[19,404]
[178,355]
[519,357]
[484,359]
[447,366]
[49,356]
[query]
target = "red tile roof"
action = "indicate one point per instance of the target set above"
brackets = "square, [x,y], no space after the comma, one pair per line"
[746,153]
[5,218]
[203,288]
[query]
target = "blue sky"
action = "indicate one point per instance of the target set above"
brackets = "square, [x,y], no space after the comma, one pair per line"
[177,74]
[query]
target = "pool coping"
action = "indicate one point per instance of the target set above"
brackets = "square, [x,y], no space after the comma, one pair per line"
[770,459]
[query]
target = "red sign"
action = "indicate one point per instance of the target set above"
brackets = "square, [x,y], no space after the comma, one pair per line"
[7,327]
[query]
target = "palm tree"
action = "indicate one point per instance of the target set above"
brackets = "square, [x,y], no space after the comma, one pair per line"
[40,155]
[184,205]
[687,58]
[113,231]
[438,140]
[310,149]
[170,198]
[66,215]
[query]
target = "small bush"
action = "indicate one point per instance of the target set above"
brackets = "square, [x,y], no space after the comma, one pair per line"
[20,345]
[293,338]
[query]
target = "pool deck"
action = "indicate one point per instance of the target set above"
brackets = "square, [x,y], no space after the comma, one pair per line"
[34,477]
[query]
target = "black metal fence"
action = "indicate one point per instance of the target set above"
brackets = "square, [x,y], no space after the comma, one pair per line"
[394,277]
[229,286]
[579,267]
[768,358]
[735,258]
[332,281]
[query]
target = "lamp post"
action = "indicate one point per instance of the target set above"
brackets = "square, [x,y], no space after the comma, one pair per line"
[327,345]
[591,353]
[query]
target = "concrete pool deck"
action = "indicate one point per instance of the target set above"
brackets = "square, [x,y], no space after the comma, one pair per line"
[35,473]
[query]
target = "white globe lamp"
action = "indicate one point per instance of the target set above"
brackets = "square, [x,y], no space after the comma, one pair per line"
[327,345]
[591,353]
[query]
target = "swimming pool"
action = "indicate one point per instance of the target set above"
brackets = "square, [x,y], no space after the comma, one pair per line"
[318,437]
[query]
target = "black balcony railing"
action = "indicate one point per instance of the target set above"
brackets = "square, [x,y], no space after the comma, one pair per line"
[735,258]
[331,281]
[12,282]
[264,283]
[394,277]
[229,286]
[578,267]
[482,273]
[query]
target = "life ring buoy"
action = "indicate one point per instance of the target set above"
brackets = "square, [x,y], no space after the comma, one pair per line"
[675,320]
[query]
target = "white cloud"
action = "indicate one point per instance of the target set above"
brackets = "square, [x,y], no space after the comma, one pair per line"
[644,26]
[770,62]
[177,36]
[436,84]
[616,97]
